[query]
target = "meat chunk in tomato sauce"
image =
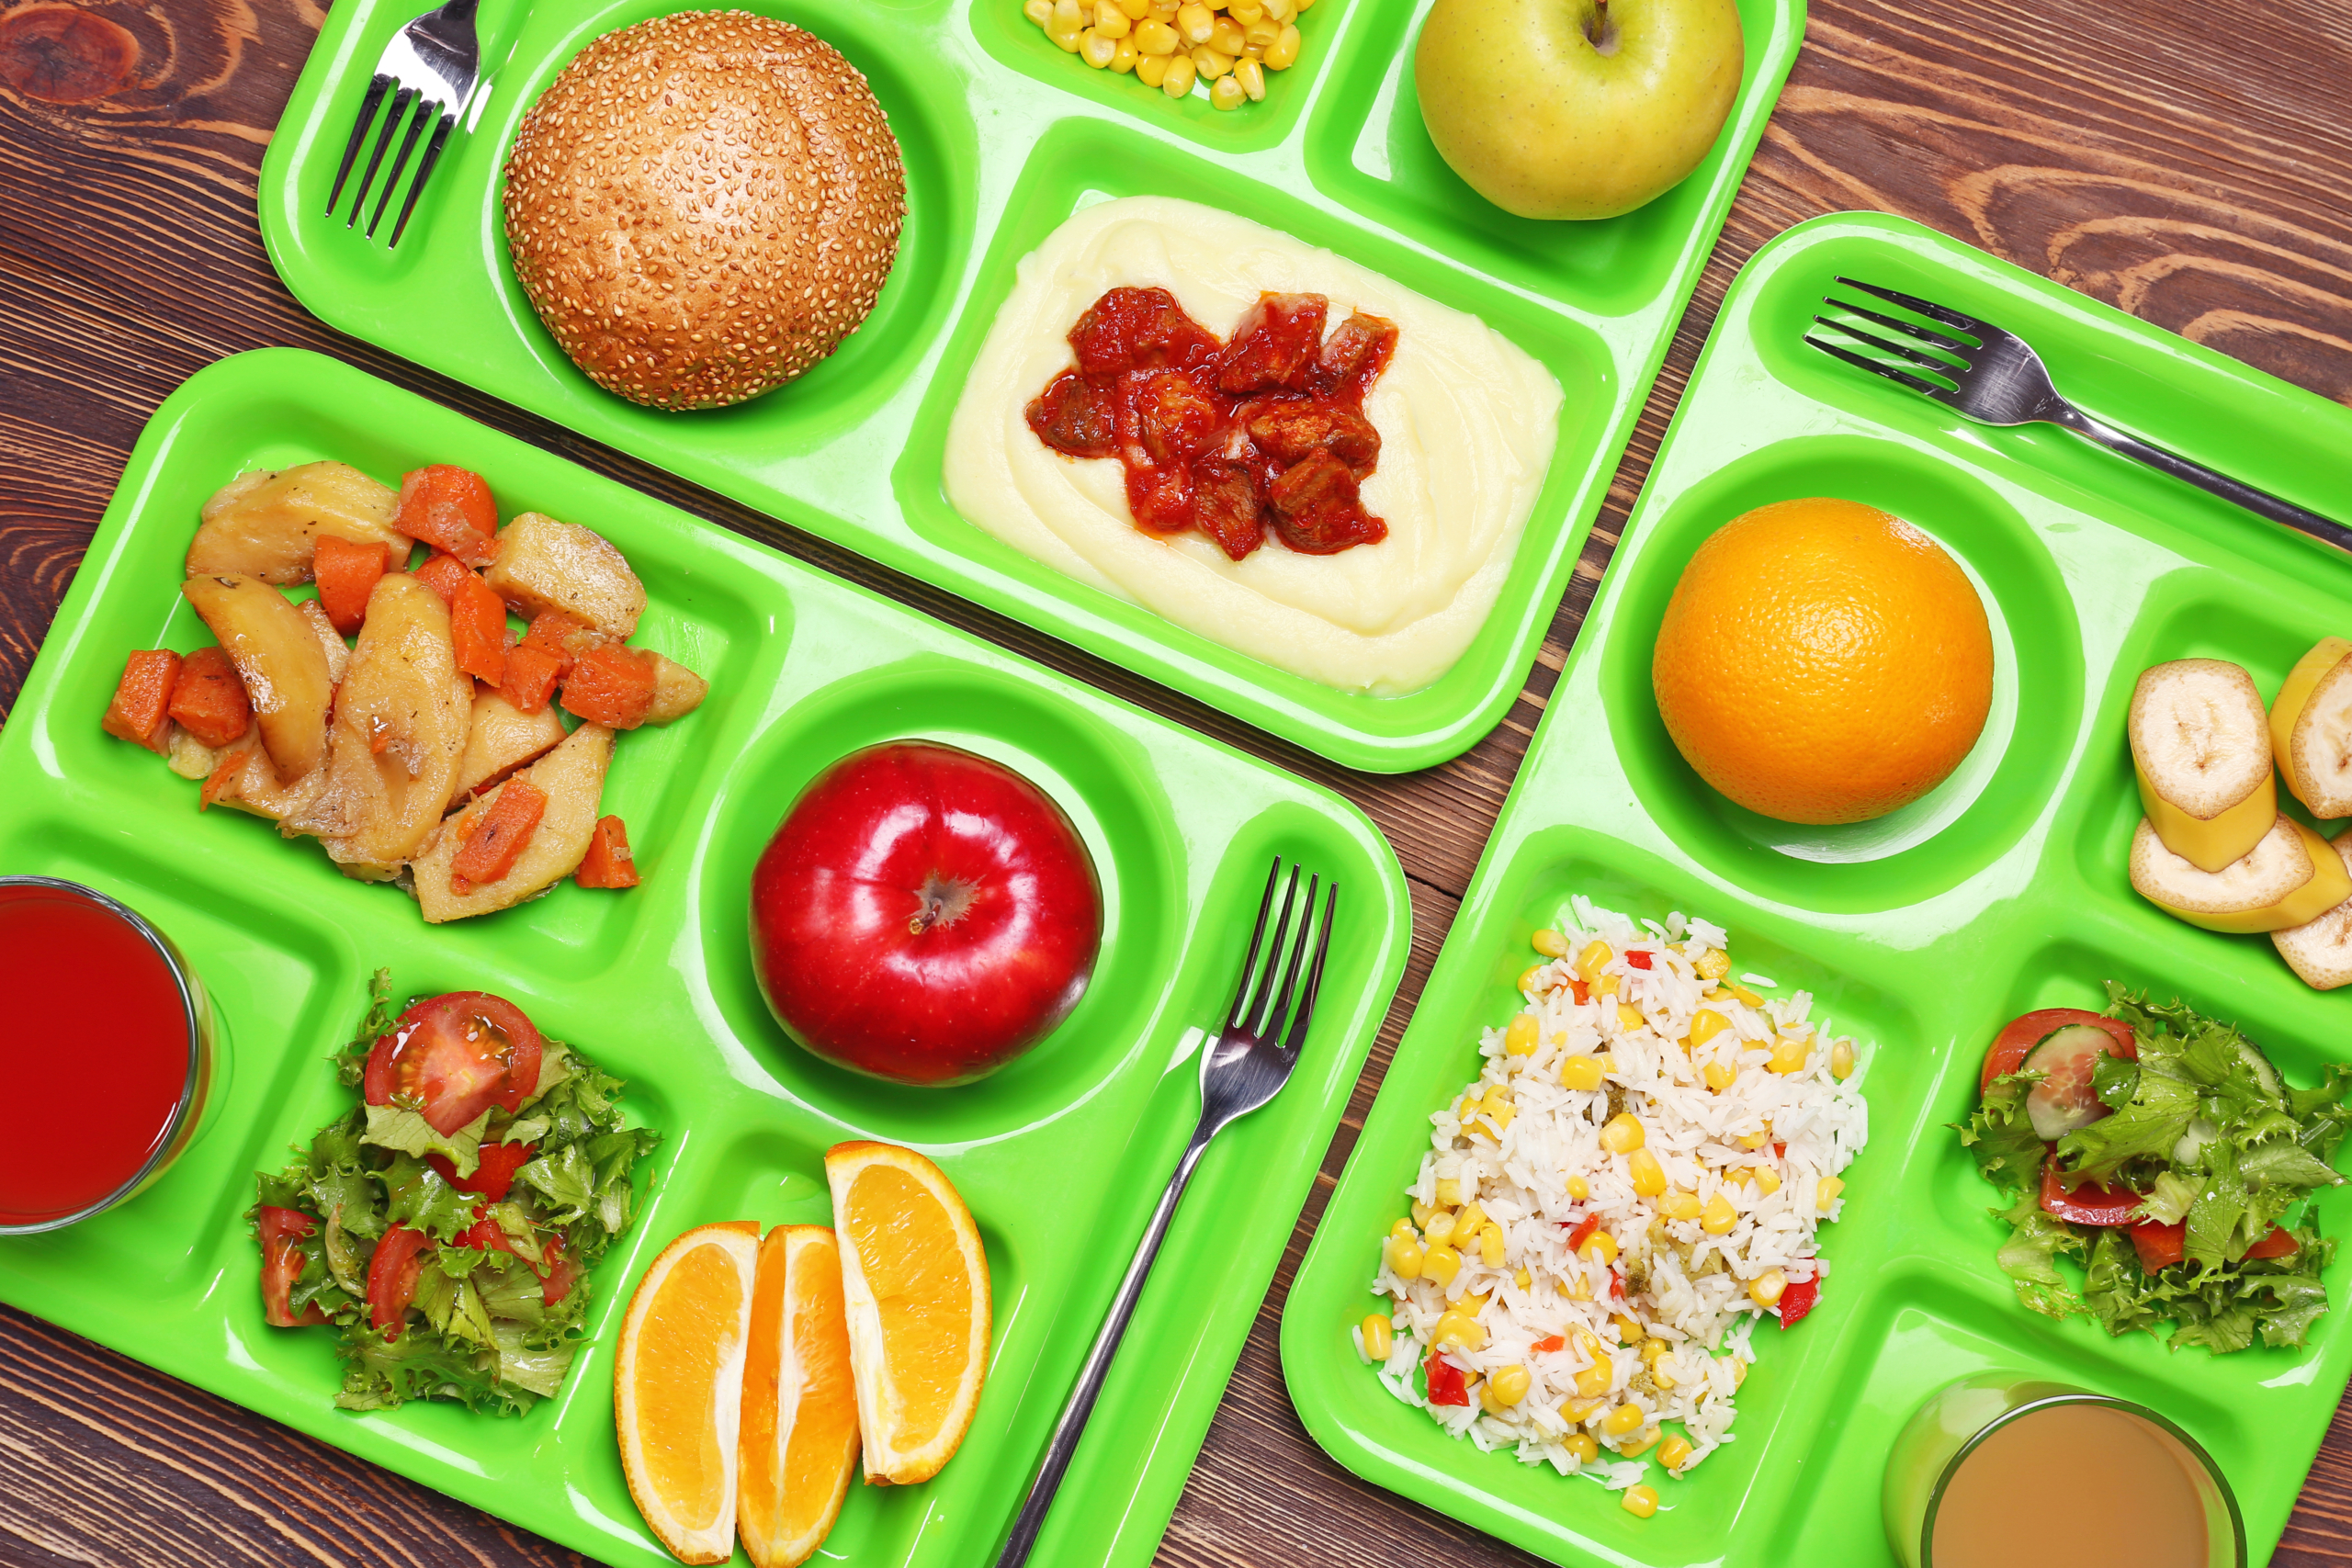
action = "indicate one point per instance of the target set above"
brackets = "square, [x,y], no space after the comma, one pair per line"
[1075,416]
[1289,429]
[1226,507]
[1318,510]
[1138,328]
[1176,417]
[1352,357]
[1274,346]
[1160,499]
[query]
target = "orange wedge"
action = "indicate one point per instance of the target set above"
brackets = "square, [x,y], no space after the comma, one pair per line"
[800,1442]
[916,1283]
[678,1387]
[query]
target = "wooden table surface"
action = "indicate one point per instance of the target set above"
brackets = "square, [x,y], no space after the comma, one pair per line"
[2187,162]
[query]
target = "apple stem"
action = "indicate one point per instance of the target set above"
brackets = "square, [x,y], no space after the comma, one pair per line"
[942,902]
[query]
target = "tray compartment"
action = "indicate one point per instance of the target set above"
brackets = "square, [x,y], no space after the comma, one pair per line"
[1997,792]
[1014,41]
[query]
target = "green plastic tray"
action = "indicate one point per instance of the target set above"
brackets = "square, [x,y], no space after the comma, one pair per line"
[1004,138]
[1062,1156]
[2004,890]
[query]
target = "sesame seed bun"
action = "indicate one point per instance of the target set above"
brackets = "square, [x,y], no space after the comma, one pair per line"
[701,207]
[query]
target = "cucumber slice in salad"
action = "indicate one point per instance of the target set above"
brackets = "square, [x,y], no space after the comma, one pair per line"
[2065,1100]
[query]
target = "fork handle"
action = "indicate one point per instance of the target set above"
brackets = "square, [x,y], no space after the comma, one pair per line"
[1072,1425]
[2260,502]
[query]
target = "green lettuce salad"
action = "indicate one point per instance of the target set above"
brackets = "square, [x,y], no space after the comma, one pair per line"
[470,1248]
[2204,1159]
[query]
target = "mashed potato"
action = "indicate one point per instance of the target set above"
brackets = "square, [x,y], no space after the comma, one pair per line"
[1468,424]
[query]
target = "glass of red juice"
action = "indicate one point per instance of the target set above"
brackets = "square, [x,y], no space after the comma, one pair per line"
[105,1042]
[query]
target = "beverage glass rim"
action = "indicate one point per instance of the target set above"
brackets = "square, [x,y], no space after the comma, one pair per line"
[192,1008]
[2081,1397]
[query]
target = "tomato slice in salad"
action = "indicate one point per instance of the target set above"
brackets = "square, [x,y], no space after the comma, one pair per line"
[391,1278]
[556,1276]
[2160,1244]
[2022,1034]
[494,1176]
[2089,1204]
[458,1055]
[282,1234]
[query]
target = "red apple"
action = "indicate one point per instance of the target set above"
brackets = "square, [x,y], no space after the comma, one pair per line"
[923,914]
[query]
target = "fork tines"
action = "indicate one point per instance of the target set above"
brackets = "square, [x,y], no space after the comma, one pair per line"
[1953,348]
[441,116]
[1262,1000]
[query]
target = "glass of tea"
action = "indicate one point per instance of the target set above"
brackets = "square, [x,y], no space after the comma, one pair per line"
[1970,1477]
[106,1043]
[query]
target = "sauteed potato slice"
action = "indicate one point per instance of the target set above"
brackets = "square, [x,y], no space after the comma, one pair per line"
[279,658]
[264,523]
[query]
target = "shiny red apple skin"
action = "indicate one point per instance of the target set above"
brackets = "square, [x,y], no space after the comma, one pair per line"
[923,915]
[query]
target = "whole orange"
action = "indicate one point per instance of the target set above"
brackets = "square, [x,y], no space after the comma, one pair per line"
[1823,661]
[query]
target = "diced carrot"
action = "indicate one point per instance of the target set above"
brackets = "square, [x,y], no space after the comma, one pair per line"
[445,574]
[566,636]
[531,673]
[141,712]
[498,835]
[610,685]
[451,510]
[222,779]
[477,629]
[608,862]
[346,574]
[208,699]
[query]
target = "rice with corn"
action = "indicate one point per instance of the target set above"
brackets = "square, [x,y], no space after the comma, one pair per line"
[1688,1133]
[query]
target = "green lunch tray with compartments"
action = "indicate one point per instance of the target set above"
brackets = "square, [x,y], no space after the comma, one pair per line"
[2002,891]
[1060,1156]
[1004,137]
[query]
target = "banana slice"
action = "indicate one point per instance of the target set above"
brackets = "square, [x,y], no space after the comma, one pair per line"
[2292,877]
[2310,729]
[2201,746]
[2322,951]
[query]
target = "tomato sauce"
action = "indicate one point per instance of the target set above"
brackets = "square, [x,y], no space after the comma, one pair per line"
[1264,432]
[93,1047]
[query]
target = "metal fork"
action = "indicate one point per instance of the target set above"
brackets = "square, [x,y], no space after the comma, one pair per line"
[1243,1069]
[1996,378]
[431,66]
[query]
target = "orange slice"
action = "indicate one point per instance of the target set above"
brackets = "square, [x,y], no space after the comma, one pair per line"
[916,1282]
[678,1387]
[800,1442]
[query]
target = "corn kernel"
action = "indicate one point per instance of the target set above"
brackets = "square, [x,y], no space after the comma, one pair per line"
[1422,1213]
[1039,11]
[1788,1057]
[1449,1192]
[1824,1192]
[1245,12]
[1490,1247]
[1195,22]
[1639,1443]
[1179,80]
[1379,1336]
[1679,1206]
[1580,1189]
[1303,7]
[1623,1419]
[1629,1017]
[1456,1331]
[1440,1263]
[1719,1216]
[1578,1290]
[1706,1025]
[1280,11]
[1226,37]
[1640,1501]
[1582,1447]
[1109,20]
[1405,1229]
[1766,1288]
[1712,964]
[1652,1349]
[1499,1097]
[1592,960]
[1096,50]
[1580,1072]
[1125,59]
[1662,1371]
[1510,1383]
[1522,1279]
[1155,37]
[1605,986]
[1550,943]
[1675,1452]
[1629,1329]
[1151,70]
[1767,1180]
[1067,42]
[1622,1136]
[1594,1381]
[1443,1230]
[1135,10]
[1213,64]
[1575,1412]
[1744,993]
[1719,1075]
[1520,1039]
[1406,1258]
[1530,977]
[1758,1139]
[1260,36]
[1466,1221]
[1474,1301]
[1739,1373]
[1841,1060]
[1600,1247]
[1650,1176]
[1738,1176]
